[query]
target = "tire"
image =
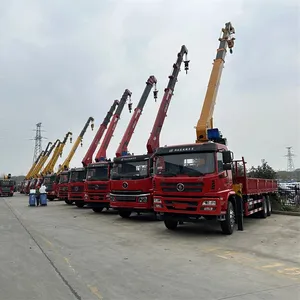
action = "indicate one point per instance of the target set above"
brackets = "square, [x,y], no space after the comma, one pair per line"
[269,206]
[264,213]
[97,209]
[171,224]
[125,214]
[228,226]
[67,202]
[79,204]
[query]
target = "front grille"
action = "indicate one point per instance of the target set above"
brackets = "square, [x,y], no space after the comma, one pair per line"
[125,199]
[127,192]
[77,189]
[192,187]
[98,186]
[181,205]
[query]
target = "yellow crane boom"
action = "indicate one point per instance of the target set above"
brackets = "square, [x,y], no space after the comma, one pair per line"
[57,153]
[65,165]
[29,174]
[205,121]
[57,143]
[40,163]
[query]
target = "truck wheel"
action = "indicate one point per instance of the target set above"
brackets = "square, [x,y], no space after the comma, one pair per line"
[124,214]
[269,206]
[264,212]
[228,225]
[79,204]
[67,202]
[97,209]
[171,224]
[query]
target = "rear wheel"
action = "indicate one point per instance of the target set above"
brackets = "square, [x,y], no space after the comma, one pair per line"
[171,224]
[124,213]
[269,206]
[264,212]
[229,224]
[97,209]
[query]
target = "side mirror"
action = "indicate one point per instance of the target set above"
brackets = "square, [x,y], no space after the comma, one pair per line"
[227,157]
[226,167]
[83,180]
[151,170]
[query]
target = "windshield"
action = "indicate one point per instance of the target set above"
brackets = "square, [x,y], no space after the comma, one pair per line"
[6,183]
[190,164]
[49,180]
[98,173]
[64,178]
[130,170]
[77,176]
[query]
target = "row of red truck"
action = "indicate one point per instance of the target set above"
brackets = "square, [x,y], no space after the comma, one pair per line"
[181,183]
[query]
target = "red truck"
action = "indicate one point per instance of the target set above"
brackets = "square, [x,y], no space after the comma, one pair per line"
[7,187]
[62,186]
[197,181]
[50,181]
[131,176]
[78,175]
[201,180]
[96,188]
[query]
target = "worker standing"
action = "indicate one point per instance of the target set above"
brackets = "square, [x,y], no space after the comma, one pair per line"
[37,195]
[43,195]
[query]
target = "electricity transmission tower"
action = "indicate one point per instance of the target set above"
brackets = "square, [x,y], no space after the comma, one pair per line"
[289,156]
[38,141]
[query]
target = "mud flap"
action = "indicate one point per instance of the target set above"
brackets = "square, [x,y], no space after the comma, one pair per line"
[239,212]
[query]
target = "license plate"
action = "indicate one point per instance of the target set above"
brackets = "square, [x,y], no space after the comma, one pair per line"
[180,205]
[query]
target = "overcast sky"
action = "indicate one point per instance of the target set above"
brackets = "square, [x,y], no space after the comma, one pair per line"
[63,61]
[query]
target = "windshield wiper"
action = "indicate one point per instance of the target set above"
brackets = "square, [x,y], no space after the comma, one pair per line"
[195,173]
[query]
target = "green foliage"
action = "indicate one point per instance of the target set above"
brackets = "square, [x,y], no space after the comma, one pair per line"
[263,171]
[284,175]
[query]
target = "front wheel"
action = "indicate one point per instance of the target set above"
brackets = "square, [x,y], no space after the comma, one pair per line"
[264,212]
[171,224]
[97,209]
[66,201]
[79,204]
[124,214]
[228,225]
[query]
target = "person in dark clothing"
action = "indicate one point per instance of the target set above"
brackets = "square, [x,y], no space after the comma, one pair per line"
[37,195]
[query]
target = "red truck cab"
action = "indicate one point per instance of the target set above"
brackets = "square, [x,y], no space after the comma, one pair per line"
[62,187]
[7,187]
[76,186]
[96,186]
[196,181]
[50,183]
[131,188]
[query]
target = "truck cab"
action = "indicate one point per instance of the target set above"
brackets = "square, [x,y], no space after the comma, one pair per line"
[76,186]
[7,187]
[62,188]
[131,185]
[50,183]
[96,186]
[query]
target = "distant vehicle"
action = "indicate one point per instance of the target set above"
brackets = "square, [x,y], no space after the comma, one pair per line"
[7,187]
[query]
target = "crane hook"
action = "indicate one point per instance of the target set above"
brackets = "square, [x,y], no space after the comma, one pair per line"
[71,139]
[155,92]
[186,64]
[129,104]
[92,126]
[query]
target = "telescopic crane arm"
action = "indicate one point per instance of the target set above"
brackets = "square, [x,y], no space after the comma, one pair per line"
[41,162]
[89,154]
[58,152]
[29,174]
[65,165]
[153,141]
[205,122]
[46,168]
[101,155]
[123,147]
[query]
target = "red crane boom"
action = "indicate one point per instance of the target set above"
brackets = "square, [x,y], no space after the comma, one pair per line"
[153,141]
[123,147]
[89,154]
[101,155]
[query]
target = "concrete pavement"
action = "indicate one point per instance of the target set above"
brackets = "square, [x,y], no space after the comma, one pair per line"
[62,252]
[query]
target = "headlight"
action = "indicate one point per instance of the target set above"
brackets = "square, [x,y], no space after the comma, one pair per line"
[155,200]
[211,202]
[142,199]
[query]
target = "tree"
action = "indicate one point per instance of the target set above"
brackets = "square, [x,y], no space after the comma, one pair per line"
[263,171]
